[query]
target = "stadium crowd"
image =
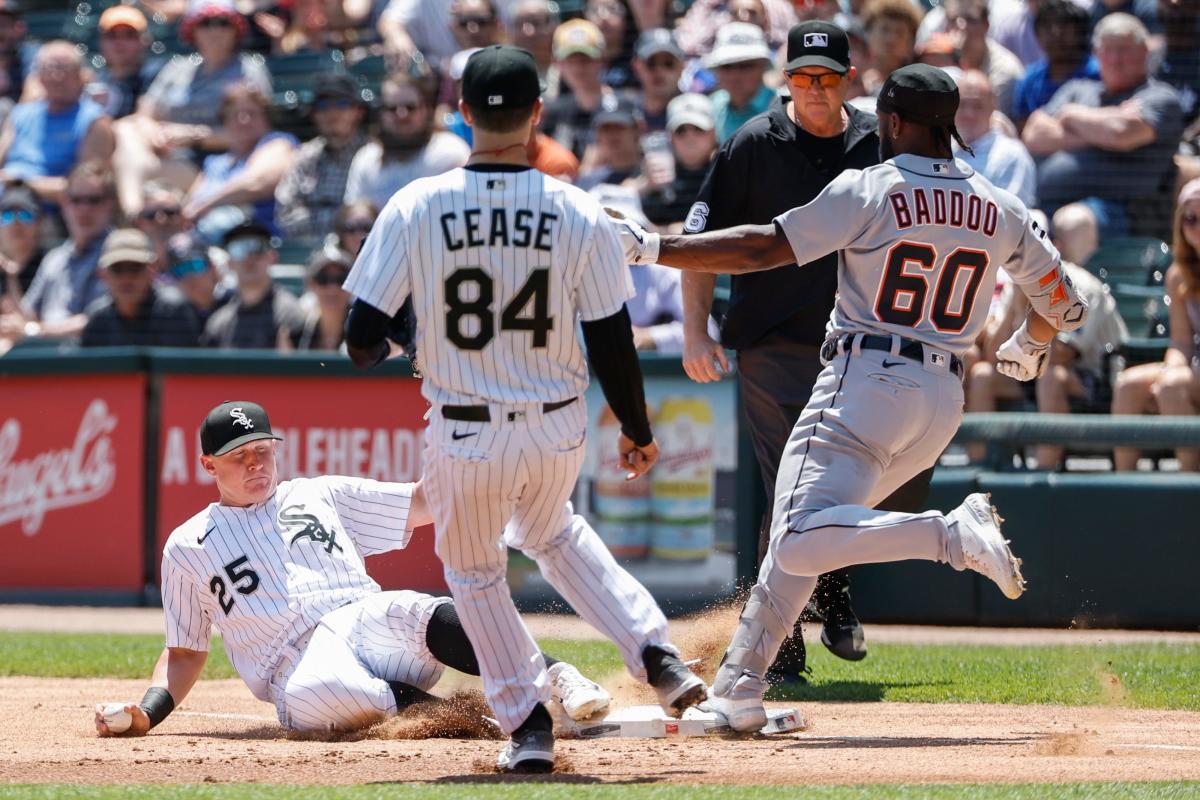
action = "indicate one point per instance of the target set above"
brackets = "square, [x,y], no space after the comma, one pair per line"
[201,172]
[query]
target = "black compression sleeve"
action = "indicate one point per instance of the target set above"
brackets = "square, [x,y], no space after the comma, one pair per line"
[366,334]
[614,359]
[157,703]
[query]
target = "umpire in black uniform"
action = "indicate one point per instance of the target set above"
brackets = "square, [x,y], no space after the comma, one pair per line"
[776,319]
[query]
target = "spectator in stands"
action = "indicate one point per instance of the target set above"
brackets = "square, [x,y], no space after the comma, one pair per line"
[1012,26]
[531,26]
[1171,386]
[968,23]
[740,59]
[619,31]
[437,28]
[548,156]
[67,282]
[1146,12]
[20,248]
[161,218]
[42,140]
[179,118]
[939,50]
[304,26]
[1180,59]
[578,54]
[312,191]
[658,65]
[352,223]
[249,171]
[136,312]
[260,315]
[1075,233]
[407,147]
[1077,378]
[617,154]
[891,27]
[1110,142]
[697,30]
[323,324]
[1001,159]
[1062,31]
[127,72]
[15,56]
[692,127]
[190,270]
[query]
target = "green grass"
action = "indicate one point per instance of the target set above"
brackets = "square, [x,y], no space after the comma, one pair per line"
[1150,675]
[569,790]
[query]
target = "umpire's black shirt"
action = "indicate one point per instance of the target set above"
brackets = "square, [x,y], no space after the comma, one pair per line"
[768,167]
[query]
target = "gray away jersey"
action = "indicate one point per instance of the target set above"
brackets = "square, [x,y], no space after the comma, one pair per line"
[499,264]
[266,574]
[920,241]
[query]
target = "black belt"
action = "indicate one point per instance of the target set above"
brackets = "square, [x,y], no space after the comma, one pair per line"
[481,413]
[909,348]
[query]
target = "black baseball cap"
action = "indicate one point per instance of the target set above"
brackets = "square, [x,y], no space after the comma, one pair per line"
[616,110]
[233,424]
[501,76]
[338,86]
[922,94]
[817,44]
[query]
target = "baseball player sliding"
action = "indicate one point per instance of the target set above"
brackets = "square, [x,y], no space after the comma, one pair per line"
[920,238]
[278,567]
[501,263]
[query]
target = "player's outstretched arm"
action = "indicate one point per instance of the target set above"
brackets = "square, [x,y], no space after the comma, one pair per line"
[743,248]
[176,673]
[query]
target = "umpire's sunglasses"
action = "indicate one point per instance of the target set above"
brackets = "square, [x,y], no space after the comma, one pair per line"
[827,80]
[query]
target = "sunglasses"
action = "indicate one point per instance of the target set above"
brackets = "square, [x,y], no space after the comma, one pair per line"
[330,278]
[479,22]
[355,227]
[181,269]
[244,248]
[1189,219]
[827,80]
[10,216]
[215,22]
[127,268]
[159,214]
[328,103]
[88,199]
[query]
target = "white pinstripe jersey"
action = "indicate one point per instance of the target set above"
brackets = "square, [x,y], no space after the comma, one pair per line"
[267,573]
[919,243]
[500,263]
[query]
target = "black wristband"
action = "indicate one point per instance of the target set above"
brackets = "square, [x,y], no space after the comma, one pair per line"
[157,703]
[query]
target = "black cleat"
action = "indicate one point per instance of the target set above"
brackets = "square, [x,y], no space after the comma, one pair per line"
[528,752]
[677,687]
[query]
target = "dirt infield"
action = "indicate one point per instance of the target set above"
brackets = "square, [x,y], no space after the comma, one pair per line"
[223,735]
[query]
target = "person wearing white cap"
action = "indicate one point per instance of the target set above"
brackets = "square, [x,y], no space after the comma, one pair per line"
[692,127]
[739,59]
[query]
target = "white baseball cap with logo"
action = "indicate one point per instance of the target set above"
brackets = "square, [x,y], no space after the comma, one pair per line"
[738,42]
[690,109]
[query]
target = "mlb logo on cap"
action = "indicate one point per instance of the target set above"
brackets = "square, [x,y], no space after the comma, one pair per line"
[941,167]
[816,40]
[495,99]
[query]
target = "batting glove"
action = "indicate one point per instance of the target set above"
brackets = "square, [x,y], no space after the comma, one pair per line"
[1022,357]
[639,244]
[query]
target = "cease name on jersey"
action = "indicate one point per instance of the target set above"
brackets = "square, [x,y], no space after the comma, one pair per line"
[466,229]
[948,207]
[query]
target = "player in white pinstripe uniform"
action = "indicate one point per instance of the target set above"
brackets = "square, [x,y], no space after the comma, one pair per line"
[278,567]
[501,262]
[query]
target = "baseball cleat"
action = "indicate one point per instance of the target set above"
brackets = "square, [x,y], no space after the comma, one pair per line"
[984,549]
[744,715]
[677,687]
[581,698]
[528,752]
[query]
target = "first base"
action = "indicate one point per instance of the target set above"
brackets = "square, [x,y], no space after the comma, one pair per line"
[650,722]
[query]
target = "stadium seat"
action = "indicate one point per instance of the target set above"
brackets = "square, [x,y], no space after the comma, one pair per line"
[297,251]
[1143,308]
[1134,260]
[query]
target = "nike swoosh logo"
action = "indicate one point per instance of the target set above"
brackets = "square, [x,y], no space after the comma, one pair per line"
[889,364]
[456,435]
[635,235]
[205,536]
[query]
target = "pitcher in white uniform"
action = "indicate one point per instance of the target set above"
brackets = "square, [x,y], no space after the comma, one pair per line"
[919,239]
[278,568]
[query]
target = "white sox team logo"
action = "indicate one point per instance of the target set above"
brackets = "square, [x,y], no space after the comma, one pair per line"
[307,526]
[240,418]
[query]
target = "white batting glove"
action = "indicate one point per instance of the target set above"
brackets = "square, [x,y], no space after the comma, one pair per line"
[1021,357]
[639,244]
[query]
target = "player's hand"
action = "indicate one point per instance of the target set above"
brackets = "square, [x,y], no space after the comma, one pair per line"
[1022,357]
[640,246]
[704,359]
[635,461]
[138,727]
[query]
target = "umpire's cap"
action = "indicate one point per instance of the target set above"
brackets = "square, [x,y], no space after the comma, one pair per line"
[922,94]
[501,77]
[233,424]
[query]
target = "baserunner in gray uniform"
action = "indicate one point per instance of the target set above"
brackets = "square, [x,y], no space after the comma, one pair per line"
[920,238]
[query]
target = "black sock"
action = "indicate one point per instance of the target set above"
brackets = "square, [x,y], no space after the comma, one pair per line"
[538,720]
[656,660]
[448,642]
[406,695]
